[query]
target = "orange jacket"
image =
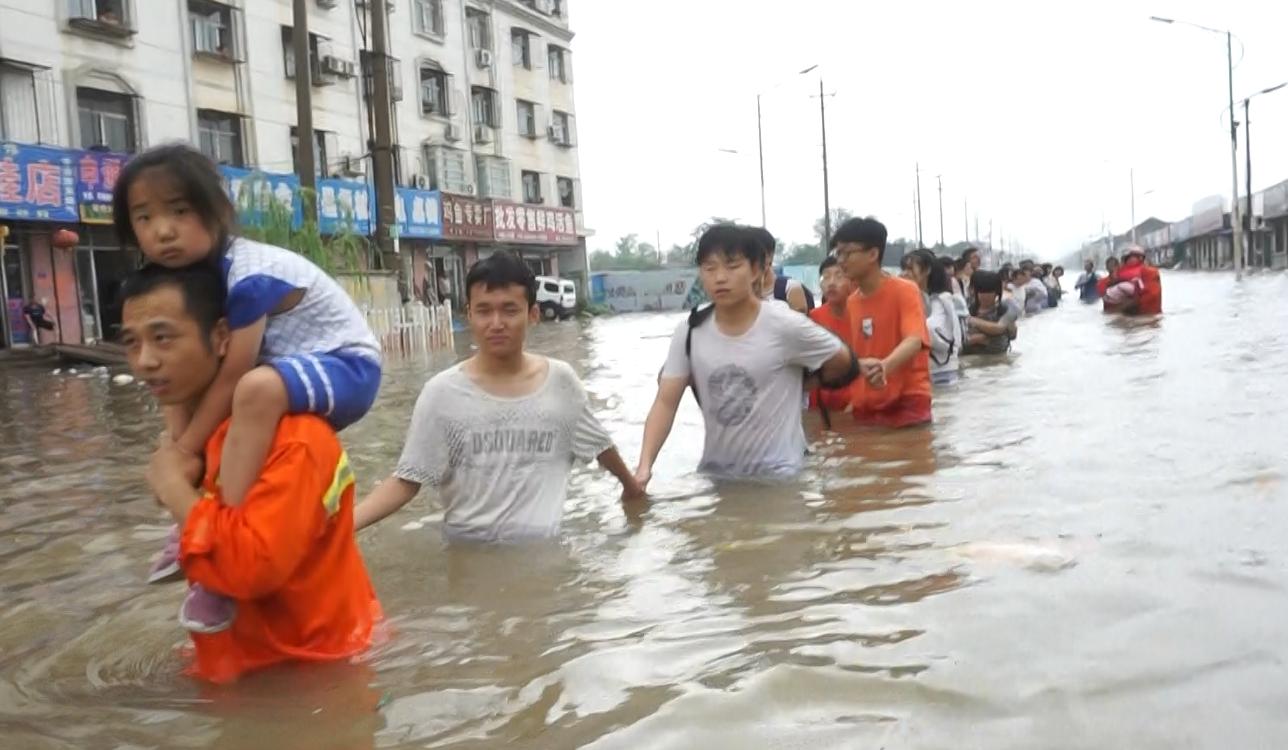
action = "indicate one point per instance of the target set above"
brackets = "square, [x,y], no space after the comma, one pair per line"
[287,555]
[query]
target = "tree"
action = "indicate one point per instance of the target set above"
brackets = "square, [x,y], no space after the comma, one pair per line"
[682,255]
[629,254]
[803,255]
[839,217]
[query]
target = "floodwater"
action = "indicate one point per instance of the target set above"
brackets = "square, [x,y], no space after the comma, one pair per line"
[1086,551]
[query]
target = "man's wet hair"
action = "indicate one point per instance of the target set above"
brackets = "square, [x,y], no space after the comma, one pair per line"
[732,241]
[868,233]
[766,240]
[198,181]
[828,262]
[201,285]
[501,270]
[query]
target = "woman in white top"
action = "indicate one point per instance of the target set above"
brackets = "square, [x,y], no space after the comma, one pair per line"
[942,322]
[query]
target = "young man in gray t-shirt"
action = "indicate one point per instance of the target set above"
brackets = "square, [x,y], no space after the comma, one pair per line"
[497,434]
[746,361]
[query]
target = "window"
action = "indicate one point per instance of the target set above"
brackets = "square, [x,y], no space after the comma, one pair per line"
[106,120]
[558,57]
[447,169]
[480,26]
[493,176]
[521,47]
[288,54]
[567,192]
[527,118]
[319,151]
[427,16]
[433,89]
[550,286]
[395,76]
[23,102]
[531,187]
[221,138]
[212,28]
[561,128]
[485,111]
[556,8]
[110,17]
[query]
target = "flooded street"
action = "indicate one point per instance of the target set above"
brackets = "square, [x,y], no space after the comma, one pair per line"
[1085,551]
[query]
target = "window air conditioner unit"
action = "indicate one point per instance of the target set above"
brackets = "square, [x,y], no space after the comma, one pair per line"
[422,182]
[353,166]
[452,132]
[483,134]
[483,58]
[336,66]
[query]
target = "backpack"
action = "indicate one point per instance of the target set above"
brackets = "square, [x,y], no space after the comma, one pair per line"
[780,291]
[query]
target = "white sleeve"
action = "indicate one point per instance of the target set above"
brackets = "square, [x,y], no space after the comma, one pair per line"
[940,325]
[589,438]
[677,362]
[806,343]
[425,454]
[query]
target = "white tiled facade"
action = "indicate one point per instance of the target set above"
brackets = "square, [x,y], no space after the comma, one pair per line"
[133,73]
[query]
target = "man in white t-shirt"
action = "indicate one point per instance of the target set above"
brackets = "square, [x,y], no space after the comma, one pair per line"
[745,360]
[497,434]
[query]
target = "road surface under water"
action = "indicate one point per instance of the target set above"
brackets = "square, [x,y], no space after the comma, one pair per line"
[1086,551]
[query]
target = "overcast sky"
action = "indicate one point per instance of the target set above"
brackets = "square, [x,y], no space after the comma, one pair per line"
[1033,112]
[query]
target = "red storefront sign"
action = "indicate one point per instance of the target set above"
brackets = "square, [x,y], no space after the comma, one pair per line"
[466,218]
[537,225]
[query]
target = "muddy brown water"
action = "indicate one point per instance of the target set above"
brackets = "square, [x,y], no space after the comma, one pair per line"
[1086,551]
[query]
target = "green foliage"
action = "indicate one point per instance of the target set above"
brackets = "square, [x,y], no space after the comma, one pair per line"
[839,217]
[629,255]
[803,255]
[270,222]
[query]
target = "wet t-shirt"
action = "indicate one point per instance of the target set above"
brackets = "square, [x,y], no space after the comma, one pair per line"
[501,465]
[750,388]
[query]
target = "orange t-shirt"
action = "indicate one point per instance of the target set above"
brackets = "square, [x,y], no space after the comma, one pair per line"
[877,324]
[834,399]
[287,555]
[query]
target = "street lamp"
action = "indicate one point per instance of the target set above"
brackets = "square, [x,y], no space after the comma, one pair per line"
[760,142]
[1247,142]
[1235,221]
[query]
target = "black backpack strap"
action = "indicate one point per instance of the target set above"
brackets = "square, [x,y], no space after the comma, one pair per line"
[697,316]
[780,287]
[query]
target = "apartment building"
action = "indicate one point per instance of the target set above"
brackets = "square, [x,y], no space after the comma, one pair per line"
[484,125]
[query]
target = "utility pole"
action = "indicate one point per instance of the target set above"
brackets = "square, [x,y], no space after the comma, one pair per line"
[919,211]
[827,200]
[1247,145]
[940,178]
[1235,221]
[760,141]
[1132,177]
[304,107]
[382,153]
[965,222]
[976,228]
[916,217]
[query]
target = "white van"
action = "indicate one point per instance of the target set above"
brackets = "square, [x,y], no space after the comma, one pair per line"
[556,297]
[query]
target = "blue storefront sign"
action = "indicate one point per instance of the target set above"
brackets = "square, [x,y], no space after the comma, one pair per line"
[96,173]
[344,204]
[420,213]
[37,183]
[253,193]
